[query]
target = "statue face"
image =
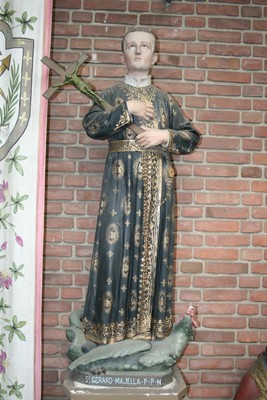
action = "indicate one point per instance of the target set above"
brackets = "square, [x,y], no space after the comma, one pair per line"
[139,52]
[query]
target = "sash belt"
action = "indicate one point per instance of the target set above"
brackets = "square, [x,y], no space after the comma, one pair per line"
[130,145]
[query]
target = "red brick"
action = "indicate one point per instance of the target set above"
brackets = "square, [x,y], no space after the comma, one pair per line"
[214,336]
[72,265]
[230,116]
[248,337]
[232,158]
[248,309]
[251,172]
[228,50]
[247,11]
[57,306]
[227,241]
[66,30]
[252,199]
[258,268]
[75,209]
[114,18]
[51,320]
[217,10]
[61,166]
[222,212]
[116,5]
[229,130]
[227,268]
[211,363]
[213,226]
[221,295]
[252,91]
[69,4]
[220,36]
[225,350]
[224,378]
[71,293]
[256,349]
[75,180]
[208,392]
[53,236]
[252,37]
[217,198]
[191,268]
[59,194]
[259,295]
[74,237]
[217,143]
[252,118]
[257,323]
[219,90]
[57,251]
[228,23]
[249,282]
[224,323]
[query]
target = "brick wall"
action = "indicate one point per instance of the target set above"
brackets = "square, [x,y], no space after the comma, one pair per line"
[213,60]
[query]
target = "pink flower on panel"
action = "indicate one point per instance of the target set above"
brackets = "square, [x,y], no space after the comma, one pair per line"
[5,281]
[2,362]
[19,240]
[3,191]
[3,246]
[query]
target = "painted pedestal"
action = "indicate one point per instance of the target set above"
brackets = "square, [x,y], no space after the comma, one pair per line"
[118,389]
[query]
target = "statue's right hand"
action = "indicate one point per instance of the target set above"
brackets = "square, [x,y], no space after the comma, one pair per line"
[141,109]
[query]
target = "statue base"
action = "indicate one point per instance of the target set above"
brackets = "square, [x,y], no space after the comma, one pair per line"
[126,386]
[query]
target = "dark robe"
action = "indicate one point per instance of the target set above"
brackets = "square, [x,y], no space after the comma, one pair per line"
[131,276]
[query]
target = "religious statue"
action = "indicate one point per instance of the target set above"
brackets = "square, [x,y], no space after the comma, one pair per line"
[127,320]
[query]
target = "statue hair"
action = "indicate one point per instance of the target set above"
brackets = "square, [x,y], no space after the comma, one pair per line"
[140,29]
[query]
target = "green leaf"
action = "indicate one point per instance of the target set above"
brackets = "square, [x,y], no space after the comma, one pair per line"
[14,329]
[20,335]
[11,336]
[15,389]
[3,306]
[21,324]
[19,168]
[16,271]
[1,339]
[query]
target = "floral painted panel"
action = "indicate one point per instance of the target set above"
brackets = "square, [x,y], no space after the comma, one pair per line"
[22,144]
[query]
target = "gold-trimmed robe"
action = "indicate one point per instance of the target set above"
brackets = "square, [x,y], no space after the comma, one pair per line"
[131,275]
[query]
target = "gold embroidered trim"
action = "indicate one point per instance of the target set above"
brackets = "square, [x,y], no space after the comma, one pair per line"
[259,374]
[130,145]
[125,119]
[151,167]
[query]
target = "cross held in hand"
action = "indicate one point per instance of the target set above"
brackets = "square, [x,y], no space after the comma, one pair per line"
[69,76]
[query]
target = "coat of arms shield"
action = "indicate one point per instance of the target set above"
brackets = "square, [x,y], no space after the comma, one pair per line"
[16,63]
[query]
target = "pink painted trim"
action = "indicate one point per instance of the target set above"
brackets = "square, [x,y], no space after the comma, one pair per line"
[48,6]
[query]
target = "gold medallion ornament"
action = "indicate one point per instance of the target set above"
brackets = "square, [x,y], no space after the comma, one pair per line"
[118,169]
[112,233]
[103,204]
[127,205]
[162,301]
[166,240]
[94,262]
[137,236]
[107,301]
[133,300]
[171,171]
[137,168]
[125,267]
[170,278]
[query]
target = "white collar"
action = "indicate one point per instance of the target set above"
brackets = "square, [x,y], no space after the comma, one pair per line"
[130,80]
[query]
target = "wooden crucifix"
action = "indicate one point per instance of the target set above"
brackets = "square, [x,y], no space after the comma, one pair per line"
[70,77]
